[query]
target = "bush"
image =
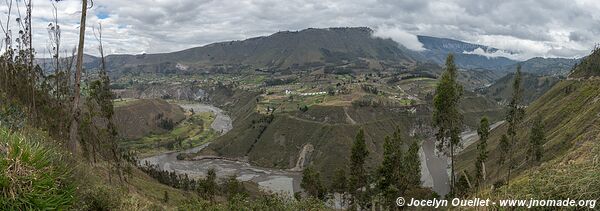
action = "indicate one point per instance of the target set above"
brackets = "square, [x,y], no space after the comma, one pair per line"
[303,108]
[99,198]
[166,124]
[11,116]
[32,176]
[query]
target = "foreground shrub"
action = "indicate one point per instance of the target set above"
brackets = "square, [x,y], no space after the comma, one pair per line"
[32,176]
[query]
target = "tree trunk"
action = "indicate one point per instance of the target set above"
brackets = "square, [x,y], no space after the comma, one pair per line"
[452,168]
[509,169]
[31,69]
[510,160]
[74,130]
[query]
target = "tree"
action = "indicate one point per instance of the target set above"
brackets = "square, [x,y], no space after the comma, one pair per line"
[233,187]
[166,197]
[536,140]
[484,133]
[504,148]
[208,186]
[103,96]
[390,181]
[340,184]
[413,165]
[311,183]
[74,134]
[446,117]
[358,175]
[514,117]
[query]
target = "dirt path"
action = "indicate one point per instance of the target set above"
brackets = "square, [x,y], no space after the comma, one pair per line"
[348,118]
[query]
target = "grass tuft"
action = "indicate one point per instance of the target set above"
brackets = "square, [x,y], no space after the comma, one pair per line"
[32,176]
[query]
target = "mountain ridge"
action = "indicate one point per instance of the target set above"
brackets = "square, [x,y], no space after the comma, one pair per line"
[349,47]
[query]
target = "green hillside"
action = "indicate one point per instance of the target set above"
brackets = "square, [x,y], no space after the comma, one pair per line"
[570,114]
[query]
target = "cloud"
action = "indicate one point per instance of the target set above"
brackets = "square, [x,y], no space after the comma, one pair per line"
[547,28]
[402,37]
[493,54]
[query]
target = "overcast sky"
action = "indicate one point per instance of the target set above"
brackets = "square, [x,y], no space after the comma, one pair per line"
[547,28]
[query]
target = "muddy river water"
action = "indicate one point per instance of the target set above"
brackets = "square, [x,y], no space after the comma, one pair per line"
[272,180]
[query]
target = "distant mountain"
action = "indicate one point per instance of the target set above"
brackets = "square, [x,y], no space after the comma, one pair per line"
[354,47]
[49,64]
[545,66]
[533,85]
[437,49]
[351,48]
[588,67]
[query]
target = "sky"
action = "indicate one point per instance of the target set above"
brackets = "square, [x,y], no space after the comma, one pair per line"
[545,28]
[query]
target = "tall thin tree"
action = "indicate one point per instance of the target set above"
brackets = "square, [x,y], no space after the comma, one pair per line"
[484,132]
[413,165]
[537,138]
[390,181]
[358,175]
[74,129]
[514,117]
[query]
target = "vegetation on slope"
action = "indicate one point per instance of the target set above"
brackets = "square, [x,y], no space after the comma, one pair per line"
[33,176]
[573,177]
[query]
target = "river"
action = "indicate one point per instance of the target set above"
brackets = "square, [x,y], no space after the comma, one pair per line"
[435,166]
[272,180]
